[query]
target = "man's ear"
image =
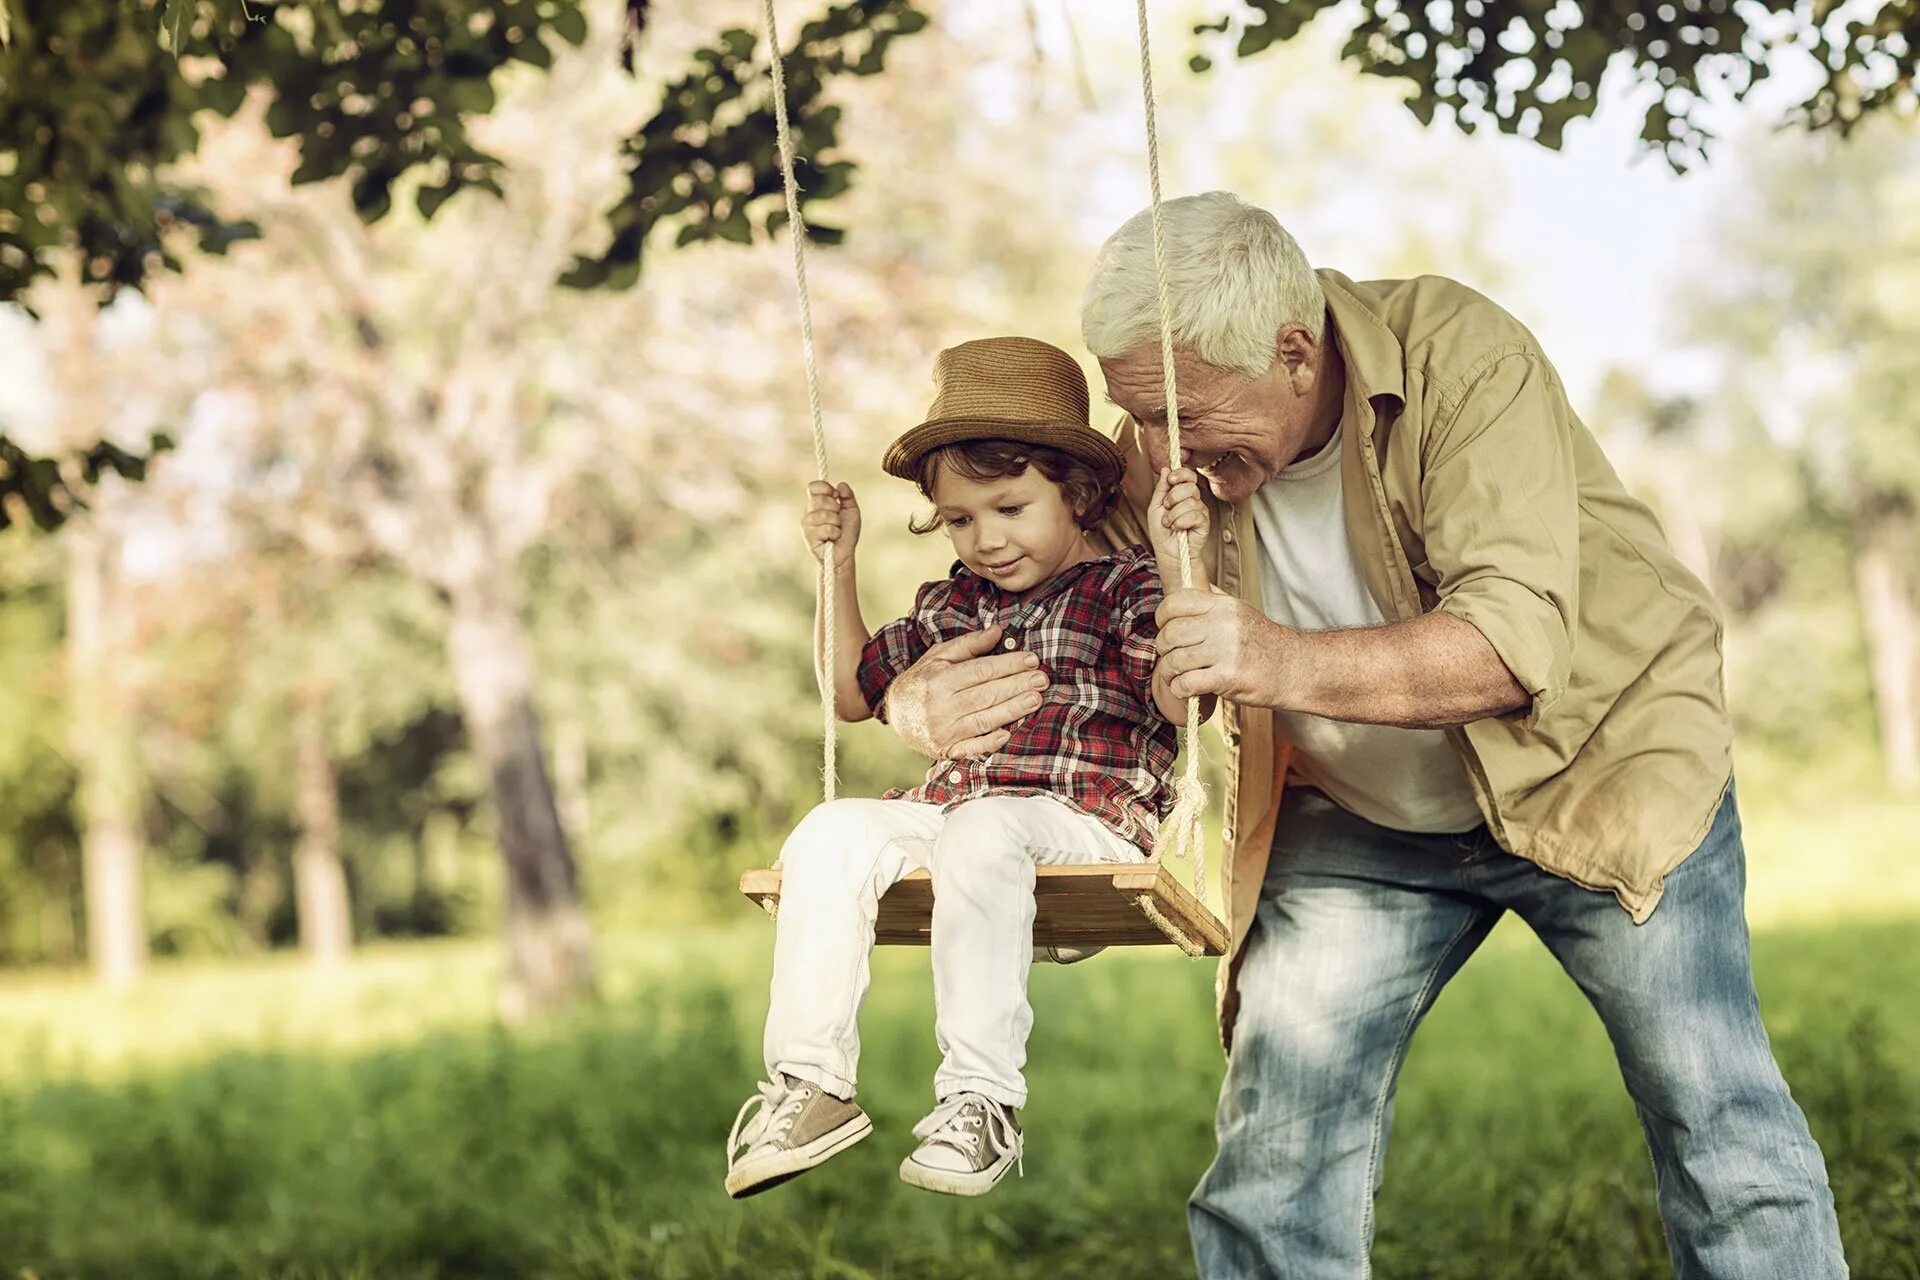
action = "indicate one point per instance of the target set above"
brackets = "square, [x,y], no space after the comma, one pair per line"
[1297,353]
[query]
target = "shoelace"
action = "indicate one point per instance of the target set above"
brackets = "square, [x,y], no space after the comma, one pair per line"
[779,1106]
[962,1120]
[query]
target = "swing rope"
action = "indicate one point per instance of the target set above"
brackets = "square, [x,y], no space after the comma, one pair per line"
[1181,827]
[797,231]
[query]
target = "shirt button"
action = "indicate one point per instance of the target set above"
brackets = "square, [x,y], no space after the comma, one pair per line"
[1008,643]
[953,775]
[1226,536]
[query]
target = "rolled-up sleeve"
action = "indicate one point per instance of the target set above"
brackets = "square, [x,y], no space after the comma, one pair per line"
[1502,520]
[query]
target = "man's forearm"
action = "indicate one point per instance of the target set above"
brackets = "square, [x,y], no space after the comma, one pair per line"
[1431,672]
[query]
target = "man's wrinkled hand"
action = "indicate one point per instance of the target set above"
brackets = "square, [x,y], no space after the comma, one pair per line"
[959,698]
[1211,642]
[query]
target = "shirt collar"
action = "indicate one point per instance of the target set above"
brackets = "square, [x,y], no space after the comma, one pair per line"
[1376,362]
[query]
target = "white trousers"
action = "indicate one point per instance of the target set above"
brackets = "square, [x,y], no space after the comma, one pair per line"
[836,865]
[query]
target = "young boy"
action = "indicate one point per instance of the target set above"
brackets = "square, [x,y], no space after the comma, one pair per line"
[1019,482]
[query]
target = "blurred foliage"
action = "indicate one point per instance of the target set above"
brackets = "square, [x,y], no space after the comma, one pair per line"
[101,99]
[102,96]
[1812,305]
[659,436]
[213,688]
[39,846]
[46,490]
[1531,67]
[708,159]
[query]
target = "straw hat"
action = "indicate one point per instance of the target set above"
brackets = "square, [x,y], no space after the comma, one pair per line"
[1006,389]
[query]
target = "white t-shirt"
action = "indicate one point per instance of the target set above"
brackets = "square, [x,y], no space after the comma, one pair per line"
[1407,779]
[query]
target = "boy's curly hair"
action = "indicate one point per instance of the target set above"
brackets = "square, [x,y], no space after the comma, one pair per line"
[1089,497]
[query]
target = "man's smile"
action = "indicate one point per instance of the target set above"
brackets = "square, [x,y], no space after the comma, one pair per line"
[1220,463]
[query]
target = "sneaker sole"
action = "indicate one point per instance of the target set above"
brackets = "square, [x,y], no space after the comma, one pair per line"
[951,1182]
[745,1180]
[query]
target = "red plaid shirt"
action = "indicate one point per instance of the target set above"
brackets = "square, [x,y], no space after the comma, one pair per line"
[1097,741]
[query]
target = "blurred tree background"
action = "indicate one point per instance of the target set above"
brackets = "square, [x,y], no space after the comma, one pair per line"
[468,588]
[403,614]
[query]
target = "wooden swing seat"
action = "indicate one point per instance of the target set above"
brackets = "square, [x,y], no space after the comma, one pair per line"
[1106,905]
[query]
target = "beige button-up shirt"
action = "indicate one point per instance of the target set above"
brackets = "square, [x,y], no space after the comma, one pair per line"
[1471,486]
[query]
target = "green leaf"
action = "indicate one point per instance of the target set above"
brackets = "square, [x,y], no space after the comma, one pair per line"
[429,199]
[222,94]
[472,96]
[176,21]
[735,226]
[534,53]
[318,164]
[373,196]
[570,24]
[285,118]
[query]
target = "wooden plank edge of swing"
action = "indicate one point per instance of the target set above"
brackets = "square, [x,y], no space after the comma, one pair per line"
[1187,914]
[760,882]
[1180,902]
[767,879]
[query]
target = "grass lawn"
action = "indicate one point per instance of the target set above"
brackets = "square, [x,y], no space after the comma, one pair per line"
[261,1121]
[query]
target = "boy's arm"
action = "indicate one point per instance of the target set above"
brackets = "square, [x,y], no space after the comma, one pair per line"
[851,635]
[1174,708]
[1140,628]
[1175,509]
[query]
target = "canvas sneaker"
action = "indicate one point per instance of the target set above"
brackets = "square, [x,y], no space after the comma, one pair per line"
[794,1126]
[966,1146]
[1064,954]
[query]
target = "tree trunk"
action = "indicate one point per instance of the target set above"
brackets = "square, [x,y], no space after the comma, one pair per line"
[570,778]
[103,752]
[59,941]
[549,952]
[319,879]
[1883,575]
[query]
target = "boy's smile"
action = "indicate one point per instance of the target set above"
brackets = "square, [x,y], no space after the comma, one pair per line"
[1017,532]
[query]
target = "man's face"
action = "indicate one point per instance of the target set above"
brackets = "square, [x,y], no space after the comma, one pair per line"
[1237,432]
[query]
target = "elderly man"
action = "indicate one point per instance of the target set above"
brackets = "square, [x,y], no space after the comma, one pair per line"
[1483,683]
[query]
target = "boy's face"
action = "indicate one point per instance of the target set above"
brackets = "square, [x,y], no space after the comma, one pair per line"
[1014,531]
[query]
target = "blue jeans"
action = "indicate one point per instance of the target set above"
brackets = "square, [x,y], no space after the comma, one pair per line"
[1358,929]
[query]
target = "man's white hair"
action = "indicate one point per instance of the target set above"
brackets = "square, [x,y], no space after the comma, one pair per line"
[1234,278]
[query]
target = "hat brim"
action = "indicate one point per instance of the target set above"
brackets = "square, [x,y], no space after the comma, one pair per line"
[904,455]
